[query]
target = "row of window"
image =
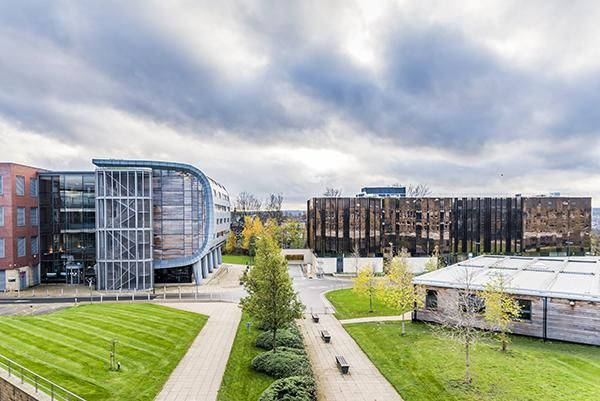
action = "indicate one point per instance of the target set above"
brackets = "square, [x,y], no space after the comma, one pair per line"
[20,186]
[34,216]
[223,220]
[22,246]
[476,303]
[223,208]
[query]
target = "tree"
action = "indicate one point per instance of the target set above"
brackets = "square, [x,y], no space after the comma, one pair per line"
[231,243]
[246,202]
[397,291]
[271,297]
[434,262]
[252,228]
[273,229]
[333,192]
[273,206]
[356,256]
[365,283]
[500,308]
[293,234]
[595,243]
[418,190]
[459,315]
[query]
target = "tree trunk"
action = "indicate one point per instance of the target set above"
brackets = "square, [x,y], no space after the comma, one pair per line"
[403,332]
[275,339]
[467,373]
[503,341]
[371,303]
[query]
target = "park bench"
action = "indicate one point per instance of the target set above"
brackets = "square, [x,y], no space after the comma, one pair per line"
[325,336]
[315,318]
[342,364]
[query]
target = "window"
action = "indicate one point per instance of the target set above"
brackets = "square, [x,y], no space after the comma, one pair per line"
[525,306]
[20,216]
[473,303]
[20,185]
[35,246]
[1,185]
[35,216]
[21,246]
[431,300]
[1,216]
[1,247]
[33,187]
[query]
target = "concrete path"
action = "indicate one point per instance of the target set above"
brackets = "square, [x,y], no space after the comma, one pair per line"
[407,316]
[199,374]
[363,383]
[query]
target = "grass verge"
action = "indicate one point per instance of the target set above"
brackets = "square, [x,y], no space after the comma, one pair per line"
[240,381]
[423,367]
[71,347]
[349,305]
[237,259]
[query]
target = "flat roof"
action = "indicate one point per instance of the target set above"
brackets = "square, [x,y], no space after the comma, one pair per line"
[575,278]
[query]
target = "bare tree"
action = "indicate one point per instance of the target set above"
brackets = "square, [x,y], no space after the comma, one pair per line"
[459,314]
[247,202]
[418,190]
[333,192]
[273,205]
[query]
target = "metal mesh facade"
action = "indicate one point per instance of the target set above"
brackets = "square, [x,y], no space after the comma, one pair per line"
[124,228]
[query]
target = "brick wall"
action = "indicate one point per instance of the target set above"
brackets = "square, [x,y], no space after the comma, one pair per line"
[12,390]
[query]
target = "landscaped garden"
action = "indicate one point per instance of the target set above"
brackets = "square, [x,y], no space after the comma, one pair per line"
[348,305]
[424,367]
[71,347]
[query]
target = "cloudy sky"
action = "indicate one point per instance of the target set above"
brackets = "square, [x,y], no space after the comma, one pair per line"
[471,97]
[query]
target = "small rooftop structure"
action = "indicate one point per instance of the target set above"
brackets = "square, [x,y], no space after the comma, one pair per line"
[574,278]
[383,192]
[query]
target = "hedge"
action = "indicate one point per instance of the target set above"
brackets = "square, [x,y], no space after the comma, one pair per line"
[285,338]
[282,364]
[295,388]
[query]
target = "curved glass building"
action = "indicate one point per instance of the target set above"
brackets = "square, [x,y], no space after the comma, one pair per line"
[157,219]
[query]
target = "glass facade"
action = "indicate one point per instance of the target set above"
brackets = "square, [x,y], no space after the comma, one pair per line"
[124,228]
[178,226]
[373,227]
[67,226]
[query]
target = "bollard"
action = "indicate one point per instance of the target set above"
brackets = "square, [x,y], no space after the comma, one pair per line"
[101,296]
[47,292]
[76,291]
[133,296]
[148,296]
[117,297]
[179,289]
[33,295]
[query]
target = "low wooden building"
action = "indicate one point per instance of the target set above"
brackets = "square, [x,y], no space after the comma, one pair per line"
[559,297]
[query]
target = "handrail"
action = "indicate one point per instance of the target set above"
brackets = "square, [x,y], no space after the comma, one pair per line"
[53,390]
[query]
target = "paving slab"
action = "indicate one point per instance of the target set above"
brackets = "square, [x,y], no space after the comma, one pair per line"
[199,374]
[364,381]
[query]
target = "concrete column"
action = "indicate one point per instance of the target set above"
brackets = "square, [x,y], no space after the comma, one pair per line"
[198,271]
[215,259]
[204,263]
[219,256]
[210,262]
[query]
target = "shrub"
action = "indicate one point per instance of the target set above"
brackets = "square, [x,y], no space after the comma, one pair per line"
[282,364]
[285,338]
[295,388]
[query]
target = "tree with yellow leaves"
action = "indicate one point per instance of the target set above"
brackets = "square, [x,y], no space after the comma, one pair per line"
[231,243]
[500,308]
[396,289]
[252,228]
[365,283]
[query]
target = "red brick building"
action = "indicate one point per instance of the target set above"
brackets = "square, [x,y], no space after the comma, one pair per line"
[19,226]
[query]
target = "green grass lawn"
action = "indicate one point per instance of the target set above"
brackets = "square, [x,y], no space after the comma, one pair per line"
[349,305]
[423,367]
[236,259]
[71,347]
[240,381]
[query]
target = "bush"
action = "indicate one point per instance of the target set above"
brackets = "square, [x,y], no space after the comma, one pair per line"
[295,388]
[285,338]
[282,364]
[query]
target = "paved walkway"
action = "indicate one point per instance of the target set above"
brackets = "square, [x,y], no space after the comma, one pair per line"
[199,374]
[363,383]
[407,316]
